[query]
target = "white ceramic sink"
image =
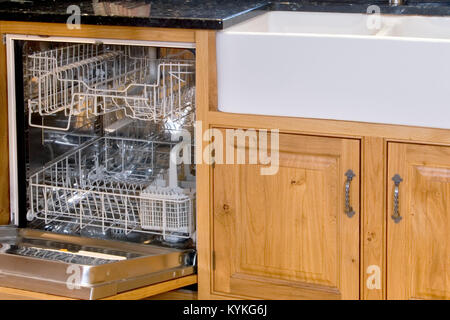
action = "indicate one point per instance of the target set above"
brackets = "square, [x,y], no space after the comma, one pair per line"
[332,66]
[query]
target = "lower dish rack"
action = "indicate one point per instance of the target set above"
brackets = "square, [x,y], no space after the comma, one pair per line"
[113,183]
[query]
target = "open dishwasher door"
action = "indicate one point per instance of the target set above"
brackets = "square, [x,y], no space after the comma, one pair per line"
[100,203]
[85,268]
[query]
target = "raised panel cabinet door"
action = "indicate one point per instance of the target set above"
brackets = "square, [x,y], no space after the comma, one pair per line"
[287,235]
[418,244]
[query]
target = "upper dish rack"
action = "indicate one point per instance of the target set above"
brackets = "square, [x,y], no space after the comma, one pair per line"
[91,80]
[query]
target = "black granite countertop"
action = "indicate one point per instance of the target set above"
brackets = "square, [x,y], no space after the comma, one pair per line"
[196,14]
[416,7]
[191,14]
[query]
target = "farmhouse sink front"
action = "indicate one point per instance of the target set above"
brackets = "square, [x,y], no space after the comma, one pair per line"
[337,66]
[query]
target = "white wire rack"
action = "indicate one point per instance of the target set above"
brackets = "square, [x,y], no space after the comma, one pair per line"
[91,80]
[166,209]
[106,184]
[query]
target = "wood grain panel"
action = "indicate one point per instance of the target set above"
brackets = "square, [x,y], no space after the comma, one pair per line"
[18,294]
[373,233]
[286,235]
[144,292]
[93,31]
[269,288]
[419,245]
[181,294]
[336,128]
[205,70]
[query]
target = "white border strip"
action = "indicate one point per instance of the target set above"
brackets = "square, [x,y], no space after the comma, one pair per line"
[160,44]
[13,182]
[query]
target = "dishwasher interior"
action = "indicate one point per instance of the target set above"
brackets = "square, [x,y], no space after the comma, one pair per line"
[102,154]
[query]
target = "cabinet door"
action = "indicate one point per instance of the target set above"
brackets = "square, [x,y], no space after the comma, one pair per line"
[418,245]
[287,236]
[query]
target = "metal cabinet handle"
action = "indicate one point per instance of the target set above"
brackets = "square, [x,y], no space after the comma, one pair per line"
[396,215]
[348,208]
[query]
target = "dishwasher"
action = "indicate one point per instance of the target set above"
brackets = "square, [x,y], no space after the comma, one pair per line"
[102,186]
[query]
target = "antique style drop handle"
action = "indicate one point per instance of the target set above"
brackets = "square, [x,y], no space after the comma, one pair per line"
[396,215]
[348,208]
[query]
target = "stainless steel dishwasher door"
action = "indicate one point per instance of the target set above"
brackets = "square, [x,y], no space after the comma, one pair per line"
[85,268]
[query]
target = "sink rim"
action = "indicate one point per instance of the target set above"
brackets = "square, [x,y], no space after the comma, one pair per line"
[386,32]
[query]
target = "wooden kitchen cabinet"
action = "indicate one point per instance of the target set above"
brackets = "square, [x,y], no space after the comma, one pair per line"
[287,236]
[418,245]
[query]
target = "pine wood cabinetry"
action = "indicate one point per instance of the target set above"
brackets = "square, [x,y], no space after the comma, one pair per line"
[418,243]
[287,236]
